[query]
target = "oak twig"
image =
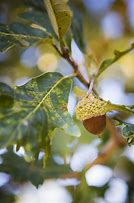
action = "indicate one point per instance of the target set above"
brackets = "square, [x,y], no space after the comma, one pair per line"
[115,140]
[74,65]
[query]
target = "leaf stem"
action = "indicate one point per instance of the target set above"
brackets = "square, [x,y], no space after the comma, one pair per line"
[121,108]
[91,85]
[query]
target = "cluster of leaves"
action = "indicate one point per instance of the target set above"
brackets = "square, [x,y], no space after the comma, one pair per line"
[27,171]
[30,113]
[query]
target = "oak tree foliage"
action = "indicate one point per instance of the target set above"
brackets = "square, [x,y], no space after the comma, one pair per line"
[31,114]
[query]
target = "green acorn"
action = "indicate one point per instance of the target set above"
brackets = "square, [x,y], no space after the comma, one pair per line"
[91,110]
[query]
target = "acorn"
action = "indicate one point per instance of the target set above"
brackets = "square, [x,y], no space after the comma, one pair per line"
[91,110]
[95,125]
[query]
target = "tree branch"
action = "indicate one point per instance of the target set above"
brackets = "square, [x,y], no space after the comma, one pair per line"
[74,65]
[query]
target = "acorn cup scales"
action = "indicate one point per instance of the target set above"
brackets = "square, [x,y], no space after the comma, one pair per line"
[91,110]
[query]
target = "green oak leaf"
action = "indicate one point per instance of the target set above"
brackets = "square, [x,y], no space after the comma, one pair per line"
[117,55]
[60,16]
[38,18]
[127,130]
[77,28]
[36,4]
[19,34]
[6,96]
[128,133]
[22,171]
[39,107]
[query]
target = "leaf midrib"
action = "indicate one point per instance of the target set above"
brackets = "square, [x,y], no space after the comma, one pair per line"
[38,106]
[20,35]
[56,20]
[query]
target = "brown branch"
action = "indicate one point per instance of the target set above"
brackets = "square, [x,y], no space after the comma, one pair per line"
[74,65]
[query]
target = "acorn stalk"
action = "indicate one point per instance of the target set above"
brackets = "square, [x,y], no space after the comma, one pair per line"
[121,108]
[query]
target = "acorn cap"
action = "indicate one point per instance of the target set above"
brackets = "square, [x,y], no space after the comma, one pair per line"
[91,106]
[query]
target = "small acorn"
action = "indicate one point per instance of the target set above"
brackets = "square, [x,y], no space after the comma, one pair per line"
[91,110]
[95,125]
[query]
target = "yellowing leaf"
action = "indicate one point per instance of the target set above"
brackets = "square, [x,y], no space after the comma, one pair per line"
[60,16]
[117,55]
